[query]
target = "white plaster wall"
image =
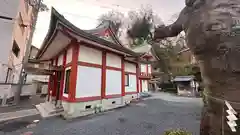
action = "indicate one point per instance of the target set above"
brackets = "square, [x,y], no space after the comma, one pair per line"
[16,73]
[143,68]
[6,91]
[88,82]
[130,67]
[90,55]
[113,82]
[54,62]
[113,60]
[149,68]
[3,73]
[144,86]
[69,55]
[7,27]
[60,60]
[132,84]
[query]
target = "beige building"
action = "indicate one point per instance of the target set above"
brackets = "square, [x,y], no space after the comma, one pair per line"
[15,24]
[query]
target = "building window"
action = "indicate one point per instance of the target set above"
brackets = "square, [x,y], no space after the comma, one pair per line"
[67,81]
[126,79]
[15,48]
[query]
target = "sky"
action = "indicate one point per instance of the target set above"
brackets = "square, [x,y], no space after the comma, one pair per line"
[84,13]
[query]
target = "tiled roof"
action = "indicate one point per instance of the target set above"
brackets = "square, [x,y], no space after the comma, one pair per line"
[56,17]
[183,78]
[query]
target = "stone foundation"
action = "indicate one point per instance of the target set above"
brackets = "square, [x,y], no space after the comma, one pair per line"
[78,109]
[128,98]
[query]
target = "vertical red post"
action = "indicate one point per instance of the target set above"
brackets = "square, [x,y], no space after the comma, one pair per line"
[54,90]
[140,85]
[147,69]
[137,76]
[73,74]
[103,87]
[49,83]
[123,76]
[63,74]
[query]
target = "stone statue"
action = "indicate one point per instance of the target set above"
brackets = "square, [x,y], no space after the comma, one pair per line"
[212,34]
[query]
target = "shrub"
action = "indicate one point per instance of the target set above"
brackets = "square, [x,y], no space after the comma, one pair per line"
[169,87]
[177,132]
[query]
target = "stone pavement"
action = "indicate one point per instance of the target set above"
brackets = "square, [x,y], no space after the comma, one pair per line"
[18,114]
[25,108]
[149,117]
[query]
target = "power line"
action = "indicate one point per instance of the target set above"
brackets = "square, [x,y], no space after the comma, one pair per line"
[105,6]
[6,18]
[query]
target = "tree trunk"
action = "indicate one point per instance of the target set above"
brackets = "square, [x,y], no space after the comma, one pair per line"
[221,84]
[210,27]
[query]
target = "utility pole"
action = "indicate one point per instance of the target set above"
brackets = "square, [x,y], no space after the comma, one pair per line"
[36,4]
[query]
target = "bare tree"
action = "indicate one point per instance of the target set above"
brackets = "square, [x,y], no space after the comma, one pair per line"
[115,17]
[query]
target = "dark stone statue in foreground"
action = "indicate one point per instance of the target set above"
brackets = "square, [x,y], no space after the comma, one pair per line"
[212,30]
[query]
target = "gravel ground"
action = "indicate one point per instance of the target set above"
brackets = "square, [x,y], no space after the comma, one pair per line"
[149,117]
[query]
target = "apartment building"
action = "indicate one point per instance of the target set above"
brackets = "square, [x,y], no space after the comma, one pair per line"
[15,24]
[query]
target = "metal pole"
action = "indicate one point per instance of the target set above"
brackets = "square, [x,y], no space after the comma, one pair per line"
[27,51]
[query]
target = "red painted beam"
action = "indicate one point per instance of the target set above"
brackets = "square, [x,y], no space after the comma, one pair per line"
[137,76]
[123,76]
[103,85]
[114,68]
[54,90]
[86,64]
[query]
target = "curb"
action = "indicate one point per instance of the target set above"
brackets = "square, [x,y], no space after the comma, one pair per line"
[18,114]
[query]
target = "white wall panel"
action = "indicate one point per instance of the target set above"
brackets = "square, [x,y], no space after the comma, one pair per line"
[113,60]
[90,55]
[144,86]
[113,82]
[130,67]
[132,84]
[88,82]
[60,60]
[143,68]
[69,55]
[149,69]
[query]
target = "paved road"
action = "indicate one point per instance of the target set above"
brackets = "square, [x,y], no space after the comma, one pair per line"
[149,117]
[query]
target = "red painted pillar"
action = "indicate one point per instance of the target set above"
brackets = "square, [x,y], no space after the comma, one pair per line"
[147,69]
[103,87]
[123,76]
[73,74]
[140,85]
[137,76]
[63,74]
[54,90]
[49,83]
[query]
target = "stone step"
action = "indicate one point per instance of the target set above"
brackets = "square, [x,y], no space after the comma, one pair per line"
[47,109]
